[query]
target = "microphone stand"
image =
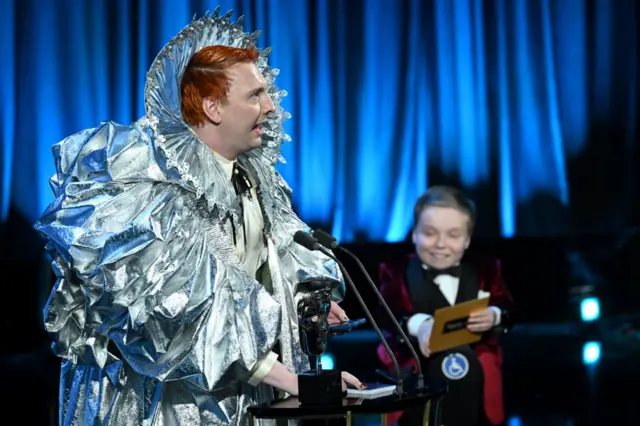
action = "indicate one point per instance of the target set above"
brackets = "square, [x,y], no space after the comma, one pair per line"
[327,239]
[310,243]
[399,382]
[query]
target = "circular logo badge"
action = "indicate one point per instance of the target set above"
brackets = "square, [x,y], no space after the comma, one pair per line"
[455,366]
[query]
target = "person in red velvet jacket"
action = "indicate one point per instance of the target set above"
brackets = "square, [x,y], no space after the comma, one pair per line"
[438,275]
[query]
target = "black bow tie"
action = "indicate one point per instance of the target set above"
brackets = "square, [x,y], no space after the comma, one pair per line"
[433,273]
[240,180]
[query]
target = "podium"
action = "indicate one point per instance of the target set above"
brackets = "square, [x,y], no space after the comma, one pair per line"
[290,408]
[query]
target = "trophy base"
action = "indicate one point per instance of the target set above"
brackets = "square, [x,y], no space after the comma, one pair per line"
[320,389]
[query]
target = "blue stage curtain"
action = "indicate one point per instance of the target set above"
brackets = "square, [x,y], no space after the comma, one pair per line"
[530,106]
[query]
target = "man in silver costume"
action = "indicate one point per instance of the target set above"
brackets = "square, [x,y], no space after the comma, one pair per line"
[172,242]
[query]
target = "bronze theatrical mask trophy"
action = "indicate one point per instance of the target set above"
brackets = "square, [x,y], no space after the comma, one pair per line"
[317,386]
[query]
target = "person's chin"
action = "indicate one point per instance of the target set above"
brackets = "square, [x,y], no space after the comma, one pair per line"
[252,144]
[256,142]
[441,263]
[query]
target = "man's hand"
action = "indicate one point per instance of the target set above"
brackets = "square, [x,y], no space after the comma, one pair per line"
[349,379]
[481,321]
[337,315]
[424,334]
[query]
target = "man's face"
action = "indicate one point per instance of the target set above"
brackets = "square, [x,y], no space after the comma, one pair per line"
[247,106]
[441,236]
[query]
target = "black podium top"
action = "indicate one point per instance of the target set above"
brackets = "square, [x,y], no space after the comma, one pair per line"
[290,407]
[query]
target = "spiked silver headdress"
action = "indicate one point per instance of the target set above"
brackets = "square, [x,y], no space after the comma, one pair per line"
[183,150]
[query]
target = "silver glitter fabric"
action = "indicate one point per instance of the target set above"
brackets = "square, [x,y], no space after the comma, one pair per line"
[153,316]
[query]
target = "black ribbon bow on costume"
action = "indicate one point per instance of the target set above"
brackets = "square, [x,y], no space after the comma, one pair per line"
[242,185]
[240,180]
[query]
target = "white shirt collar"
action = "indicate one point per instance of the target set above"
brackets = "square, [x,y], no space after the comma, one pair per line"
[227,165]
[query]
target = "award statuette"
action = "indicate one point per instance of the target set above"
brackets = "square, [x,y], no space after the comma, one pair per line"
[317,386]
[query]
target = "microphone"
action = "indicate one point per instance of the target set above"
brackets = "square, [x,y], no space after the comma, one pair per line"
[306,241]
[310,243]
[328,240]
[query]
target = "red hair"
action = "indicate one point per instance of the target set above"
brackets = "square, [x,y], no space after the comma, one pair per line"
[206,77]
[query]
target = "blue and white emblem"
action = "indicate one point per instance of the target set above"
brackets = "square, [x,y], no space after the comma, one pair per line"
[455,366]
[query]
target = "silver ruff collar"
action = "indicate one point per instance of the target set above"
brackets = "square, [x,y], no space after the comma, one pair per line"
[199,171]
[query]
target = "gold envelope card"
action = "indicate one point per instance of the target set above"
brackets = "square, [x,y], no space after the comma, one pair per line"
[450,325]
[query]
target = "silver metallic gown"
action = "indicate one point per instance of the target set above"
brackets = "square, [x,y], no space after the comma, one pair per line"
[155,319]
